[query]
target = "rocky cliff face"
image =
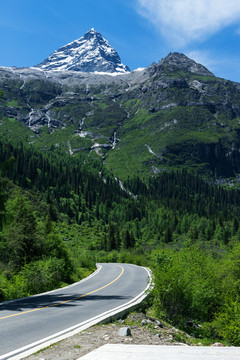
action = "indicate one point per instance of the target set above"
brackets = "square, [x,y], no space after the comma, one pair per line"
[90,53]
[172,114]
[177,61]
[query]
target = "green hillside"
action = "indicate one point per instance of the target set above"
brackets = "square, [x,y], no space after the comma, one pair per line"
[125,169]
[172,115]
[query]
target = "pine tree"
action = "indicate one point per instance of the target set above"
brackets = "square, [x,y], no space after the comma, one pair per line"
[3,198]
[111,241]
[24,243]
[126,240]
[168,235]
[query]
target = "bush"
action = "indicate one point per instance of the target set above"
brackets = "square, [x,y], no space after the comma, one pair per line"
[43,275]
[226,324]
[186,285]
[192,284]
[35,277]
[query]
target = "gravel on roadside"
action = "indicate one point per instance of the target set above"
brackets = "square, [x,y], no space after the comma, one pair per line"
[144,330]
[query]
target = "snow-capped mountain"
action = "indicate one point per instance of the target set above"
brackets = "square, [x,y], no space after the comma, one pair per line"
[90,53]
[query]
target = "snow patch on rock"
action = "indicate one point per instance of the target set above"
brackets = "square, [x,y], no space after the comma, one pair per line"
[90,53]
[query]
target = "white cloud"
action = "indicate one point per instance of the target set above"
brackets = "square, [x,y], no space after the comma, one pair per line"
[184,21]
[225,66]
[202,57]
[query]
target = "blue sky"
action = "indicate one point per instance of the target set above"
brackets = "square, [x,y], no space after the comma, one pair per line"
[142,31]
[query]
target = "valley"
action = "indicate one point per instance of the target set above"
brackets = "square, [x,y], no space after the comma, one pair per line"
[111,165]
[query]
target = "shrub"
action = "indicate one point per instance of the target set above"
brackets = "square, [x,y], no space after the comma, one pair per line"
[192,284]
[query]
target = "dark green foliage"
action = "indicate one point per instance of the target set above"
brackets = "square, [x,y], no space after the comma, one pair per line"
[168,235]
[23,241]
[111,243]
[3,189]
[34,260]
[3,197]
[61,214]
[128,240]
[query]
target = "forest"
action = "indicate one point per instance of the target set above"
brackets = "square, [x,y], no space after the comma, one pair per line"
[60,214]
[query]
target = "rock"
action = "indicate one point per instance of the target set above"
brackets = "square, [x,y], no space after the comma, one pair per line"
[175,60]
[89,53]
[159,324]
[125,331]
[217,344]
[144,322]
[158,335]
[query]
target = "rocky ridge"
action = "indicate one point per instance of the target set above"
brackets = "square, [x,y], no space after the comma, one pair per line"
[177,61]
[90,53]
[172,114]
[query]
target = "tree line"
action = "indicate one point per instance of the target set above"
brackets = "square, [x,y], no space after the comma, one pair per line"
[59,215]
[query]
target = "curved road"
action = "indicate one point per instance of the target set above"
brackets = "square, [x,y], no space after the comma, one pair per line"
[32,321]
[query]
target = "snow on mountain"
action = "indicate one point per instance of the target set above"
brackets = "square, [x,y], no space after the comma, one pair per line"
[90,53]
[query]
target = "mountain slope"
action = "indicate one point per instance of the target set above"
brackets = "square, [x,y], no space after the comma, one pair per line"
[90,53]
[174,114]
[175,61]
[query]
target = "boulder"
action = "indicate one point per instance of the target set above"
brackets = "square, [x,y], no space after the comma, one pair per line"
[124,331]
[159,324]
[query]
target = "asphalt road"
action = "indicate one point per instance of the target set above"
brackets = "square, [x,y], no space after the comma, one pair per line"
[32,320]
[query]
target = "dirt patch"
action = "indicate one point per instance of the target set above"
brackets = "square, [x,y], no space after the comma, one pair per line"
[144,330]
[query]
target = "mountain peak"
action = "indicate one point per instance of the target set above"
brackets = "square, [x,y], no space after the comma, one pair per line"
[174,61]
[91,34]
[89,53]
